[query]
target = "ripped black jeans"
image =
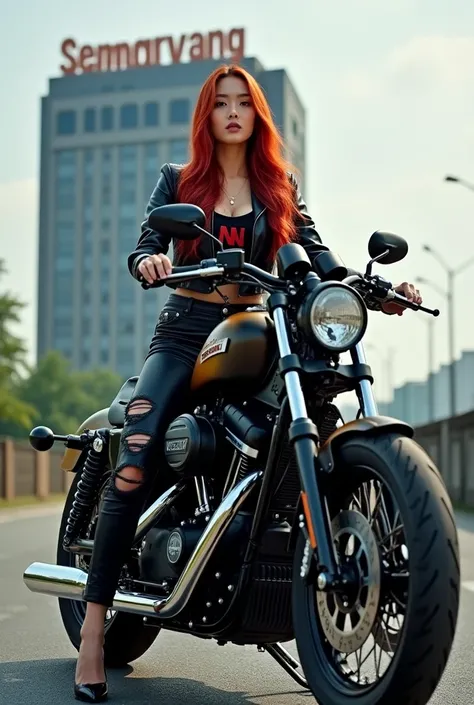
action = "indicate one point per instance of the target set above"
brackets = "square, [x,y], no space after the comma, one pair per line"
[160,395]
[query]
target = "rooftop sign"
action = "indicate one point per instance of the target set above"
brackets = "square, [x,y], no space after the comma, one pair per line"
[151,52]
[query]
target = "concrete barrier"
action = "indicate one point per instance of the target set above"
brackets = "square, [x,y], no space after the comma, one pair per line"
[24,471]
[451,445]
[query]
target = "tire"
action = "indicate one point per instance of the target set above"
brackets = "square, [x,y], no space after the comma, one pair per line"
[126,636]
[422,647]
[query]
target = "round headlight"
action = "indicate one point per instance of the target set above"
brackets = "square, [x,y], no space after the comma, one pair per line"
[338,318]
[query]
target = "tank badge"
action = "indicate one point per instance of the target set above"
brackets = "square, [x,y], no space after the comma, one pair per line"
[214,347]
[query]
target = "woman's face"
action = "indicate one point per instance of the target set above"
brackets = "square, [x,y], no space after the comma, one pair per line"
[233,116]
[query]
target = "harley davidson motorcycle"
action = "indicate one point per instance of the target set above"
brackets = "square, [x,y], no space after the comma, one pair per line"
[281,522]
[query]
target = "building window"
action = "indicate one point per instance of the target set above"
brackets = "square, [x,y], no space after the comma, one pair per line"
[89,120]
[88,164]
[151,114]
[178,151]
[63,289]
[106,194]
[151,170]
[179,111]
[107,118]
[65,193]
[128,116]
[63,327]
[128,158]
[295,127]
[66,122]
[65,240]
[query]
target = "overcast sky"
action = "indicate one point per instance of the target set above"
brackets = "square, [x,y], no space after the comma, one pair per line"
[389,90]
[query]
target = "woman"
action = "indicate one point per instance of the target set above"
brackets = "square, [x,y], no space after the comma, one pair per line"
[239,178]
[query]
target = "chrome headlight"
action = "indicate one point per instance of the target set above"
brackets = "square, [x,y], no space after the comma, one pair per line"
[337,317]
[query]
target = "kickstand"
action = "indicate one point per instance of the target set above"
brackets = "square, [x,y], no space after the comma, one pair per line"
[287,662]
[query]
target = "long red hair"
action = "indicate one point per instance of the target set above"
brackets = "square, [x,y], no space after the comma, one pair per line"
[201,179]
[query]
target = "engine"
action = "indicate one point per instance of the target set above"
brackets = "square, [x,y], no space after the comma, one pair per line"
[217,449]
[207,444]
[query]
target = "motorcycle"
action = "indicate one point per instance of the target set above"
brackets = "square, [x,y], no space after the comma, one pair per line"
[281,522]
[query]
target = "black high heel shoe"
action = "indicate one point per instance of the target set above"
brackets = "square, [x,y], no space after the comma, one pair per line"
[91,692]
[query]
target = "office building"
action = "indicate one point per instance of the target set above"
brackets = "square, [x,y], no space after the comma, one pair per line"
[104,136]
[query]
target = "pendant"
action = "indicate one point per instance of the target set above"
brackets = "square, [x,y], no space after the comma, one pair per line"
[232,201]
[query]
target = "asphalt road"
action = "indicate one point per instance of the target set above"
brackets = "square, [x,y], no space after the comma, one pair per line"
[37,661]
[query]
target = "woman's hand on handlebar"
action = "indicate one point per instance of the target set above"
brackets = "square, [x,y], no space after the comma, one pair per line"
[409,291]
[155,267]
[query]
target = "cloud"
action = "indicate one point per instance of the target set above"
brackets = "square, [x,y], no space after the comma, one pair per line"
[423,65]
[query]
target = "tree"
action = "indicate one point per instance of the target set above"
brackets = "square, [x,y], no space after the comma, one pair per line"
[13,410]
[64,398]
[100,387]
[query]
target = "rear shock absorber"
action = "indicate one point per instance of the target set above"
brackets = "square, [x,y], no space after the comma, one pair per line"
[88,486]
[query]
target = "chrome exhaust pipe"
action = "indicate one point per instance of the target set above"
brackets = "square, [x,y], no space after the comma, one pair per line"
[171,606]
[69,583]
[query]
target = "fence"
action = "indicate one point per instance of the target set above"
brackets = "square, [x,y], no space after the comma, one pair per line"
[25,472]
[451,445]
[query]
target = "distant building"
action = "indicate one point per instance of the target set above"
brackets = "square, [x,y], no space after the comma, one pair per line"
[104,136]
[419,403]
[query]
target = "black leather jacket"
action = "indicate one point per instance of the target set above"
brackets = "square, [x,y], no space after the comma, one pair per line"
[152,242]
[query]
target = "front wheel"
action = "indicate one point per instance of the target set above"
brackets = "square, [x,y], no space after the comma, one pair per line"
[387,638]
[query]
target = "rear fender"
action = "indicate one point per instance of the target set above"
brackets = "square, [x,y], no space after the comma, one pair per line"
[98,420]
[371,425]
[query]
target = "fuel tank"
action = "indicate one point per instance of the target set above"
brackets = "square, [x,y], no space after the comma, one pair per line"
[238,356]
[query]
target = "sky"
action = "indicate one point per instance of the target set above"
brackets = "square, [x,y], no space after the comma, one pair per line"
[388,87]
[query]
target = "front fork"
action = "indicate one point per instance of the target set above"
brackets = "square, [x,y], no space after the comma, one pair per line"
[365,392]
[303,434]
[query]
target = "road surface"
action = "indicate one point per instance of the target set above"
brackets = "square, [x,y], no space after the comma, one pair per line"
[37,661]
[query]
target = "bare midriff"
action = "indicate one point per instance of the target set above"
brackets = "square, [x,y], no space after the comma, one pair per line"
[229,291]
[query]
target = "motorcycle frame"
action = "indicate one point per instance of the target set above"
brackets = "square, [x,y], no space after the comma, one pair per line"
[293,420]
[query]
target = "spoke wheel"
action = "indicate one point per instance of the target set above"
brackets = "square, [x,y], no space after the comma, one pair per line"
[384,637]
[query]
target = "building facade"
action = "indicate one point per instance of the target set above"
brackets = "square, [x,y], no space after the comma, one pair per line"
[104,136]
[427,401]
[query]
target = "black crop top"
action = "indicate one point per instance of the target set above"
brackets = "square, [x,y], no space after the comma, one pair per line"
[235,231]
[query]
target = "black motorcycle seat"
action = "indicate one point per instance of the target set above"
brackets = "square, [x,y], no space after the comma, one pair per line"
[117,408]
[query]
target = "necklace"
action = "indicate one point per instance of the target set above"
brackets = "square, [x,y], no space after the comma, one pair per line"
[232,198]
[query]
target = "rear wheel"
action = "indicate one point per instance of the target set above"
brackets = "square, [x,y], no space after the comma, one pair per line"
[126,636]
[387,639]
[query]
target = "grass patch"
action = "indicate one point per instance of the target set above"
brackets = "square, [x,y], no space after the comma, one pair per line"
[30,500]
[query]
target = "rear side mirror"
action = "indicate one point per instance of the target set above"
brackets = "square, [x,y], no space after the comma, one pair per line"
[394,246]
[180,220]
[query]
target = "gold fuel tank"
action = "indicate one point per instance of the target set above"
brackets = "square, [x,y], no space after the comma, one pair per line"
[238,356]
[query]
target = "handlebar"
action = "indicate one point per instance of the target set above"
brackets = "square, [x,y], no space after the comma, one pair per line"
[402,301]
[191,271]
[389,295]
[211,268]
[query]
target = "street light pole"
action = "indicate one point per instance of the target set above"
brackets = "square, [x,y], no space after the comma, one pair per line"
[431,404]
[449,294]
[462,182]
[387,364]
[452,354]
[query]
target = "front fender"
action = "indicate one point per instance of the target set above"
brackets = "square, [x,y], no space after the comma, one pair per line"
[98,420]
[371,425]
